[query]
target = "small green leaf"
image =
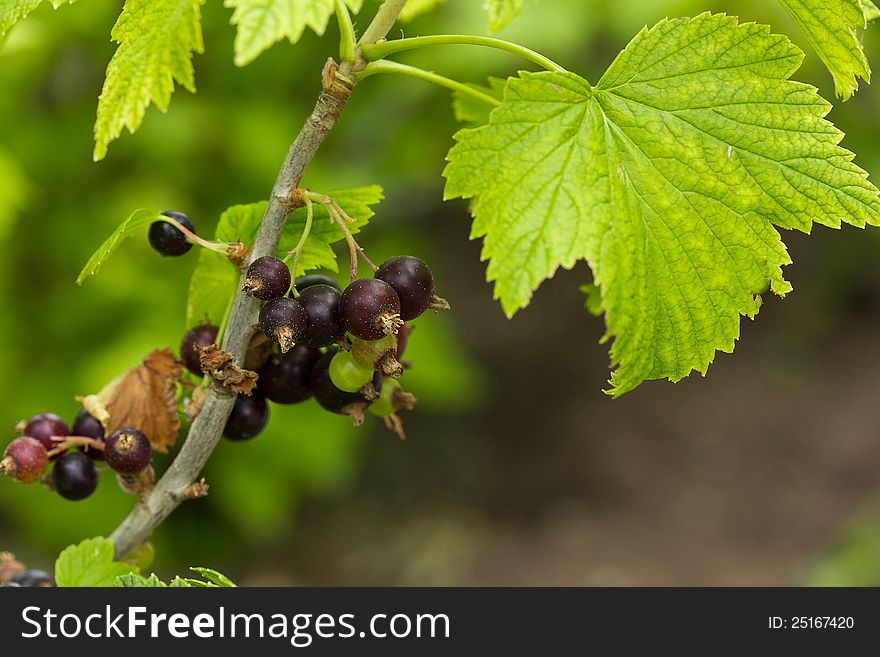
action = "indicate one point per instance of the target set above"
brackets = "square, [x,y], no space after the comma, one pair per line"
[669,177]
[262,23]
[180,583]
[473,111]
[415,8]
[215,279]
[156,40]
[133,580]
[214,577]
[90,563]
[13,11]
[593,303]
[832,27]
[136,222]
[318,253]
[501,12]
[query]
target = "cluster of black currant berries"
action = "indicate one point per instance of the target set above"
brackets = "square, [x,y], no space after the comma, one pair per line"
[73,452]
[342,347]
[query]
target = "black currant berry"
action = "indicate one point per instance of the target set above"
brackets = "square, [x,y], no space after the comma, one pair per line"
[34,578]
[335,400]
[88,426]
[284,379]
[284,321]
[166,239]
[248,418]
[258,352]
[128,451]
[321,303]
[44,426]
[267,278]
[74,476]
[370,309]
[413,282]
[309,280]
[200,336]
[24,460]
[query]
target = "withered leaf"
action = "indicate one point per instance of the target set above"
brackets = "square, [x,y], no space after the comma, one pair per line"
[144,398]
[225,370]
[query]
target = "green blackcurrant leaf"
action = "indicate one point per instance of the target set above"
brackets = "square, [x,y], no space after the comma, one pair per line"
[415,8]
[137,221]
[318,253]
[180,583]
[133,580]
[501,12]
[156,40]
[262,23]
[593,303]
[90,563]
[668,178]
[832,27]
[214,577]
[472,110]
[13,11]
[215,279]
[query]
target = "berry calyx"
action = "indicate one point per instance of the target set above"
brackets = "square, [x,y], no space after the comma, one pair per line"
[267,278]
[369,308]
[45,425]
[412,280]
[88,426]
[74,476]
[200,336]
[248,418]
[167,240]
[347,374]
[309,280]
[321,304]
[284,379]
[284,321]
[24,460]
[335,400]
[392,399]
[380,355]
[34,578]
[128,451]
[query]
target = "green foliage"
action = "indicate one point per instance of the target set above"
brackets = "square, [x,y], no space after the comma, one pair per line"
[415,8]
[156,40]
[135,224]
[501,12]
[668,178]
[214,280]
[90,563]
[210,579]
[12,11]
[261,23]
[832,27]
[473,111]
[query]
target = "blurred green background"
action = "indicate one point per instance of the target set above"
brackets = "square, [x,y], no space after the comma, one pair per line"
[518,469]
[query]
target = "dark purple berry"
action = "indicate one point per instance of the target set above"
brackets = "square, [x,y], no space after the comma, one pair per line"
[267,278]
[259,350]
[284,379]
[166,239]
[24,460]
[248,418]
[370,309]
[321,303]
[74,476]
[335,400]
[44,426]
[128,451]
[87,425]
[284,321]
[200,336]
[34,578]
[413,282]
[309,280]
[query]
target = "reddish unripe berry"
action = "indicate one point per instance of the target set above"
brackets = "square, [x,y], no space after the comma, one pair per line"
[45,425]
[128,451]
[24,460]
[267,278]
[370,309]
